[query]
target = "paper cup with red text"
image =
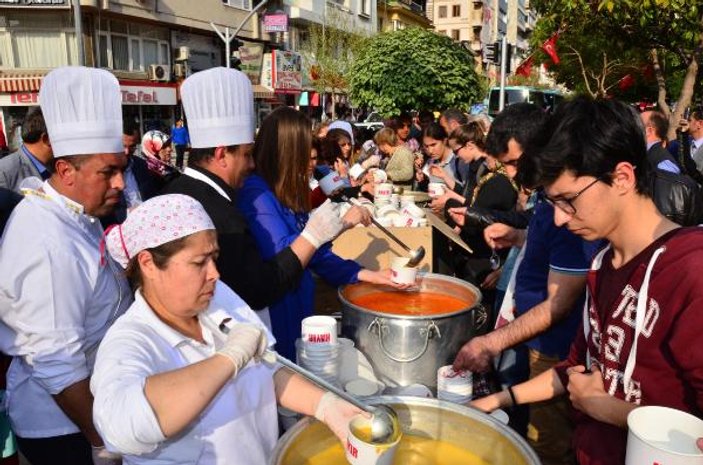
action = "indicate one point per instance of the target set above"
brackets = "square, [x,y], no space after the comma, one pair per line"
[319,329]
[361,451]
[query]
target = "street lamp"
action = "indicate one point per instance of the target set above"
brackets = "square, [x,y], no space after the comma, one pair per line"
[227,37]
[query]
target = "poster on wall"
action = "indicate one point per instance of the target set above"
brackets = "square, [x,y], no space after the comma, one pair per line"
[287,70]
[251,57]
[267,71]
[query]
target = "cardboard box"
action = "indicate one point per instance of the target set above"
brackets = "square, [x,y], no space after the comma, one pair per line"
[372,249]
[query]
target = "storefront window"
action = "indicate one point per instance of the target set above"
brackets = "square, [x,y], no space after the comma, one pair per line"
[151,52]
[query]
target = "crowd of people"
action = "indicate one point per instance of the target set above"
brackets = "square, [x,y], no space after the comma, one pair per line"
[139,296]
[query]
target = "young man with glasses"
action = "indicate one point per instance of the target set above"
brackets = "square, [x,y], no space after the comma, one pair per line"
[548,288]
[642,318]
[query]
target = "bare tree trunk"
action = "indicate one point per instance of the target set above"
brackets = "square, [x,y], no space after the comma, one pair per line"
[686,96]
[661,83]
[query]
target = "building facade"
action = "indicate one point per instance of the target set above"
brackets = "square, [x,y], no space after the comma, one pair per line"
[149,45]
[477,23]
[400,14]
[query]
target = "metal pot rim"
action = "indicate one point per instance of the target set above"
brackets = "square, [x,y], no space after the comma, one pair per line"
[472,413]
[479,297]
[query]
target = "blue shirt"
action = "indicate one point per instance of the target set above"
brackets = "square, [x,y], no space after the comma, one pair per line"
[275,227]
[43,172]
[551,248]
[179,136]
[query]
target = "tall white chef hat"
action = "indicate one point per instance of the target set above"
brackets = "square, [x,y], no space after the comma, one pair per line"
[83,111]
[219,104]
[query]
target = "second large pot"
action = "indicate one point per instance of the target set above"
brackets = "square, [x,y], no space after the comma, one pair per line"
[408,349]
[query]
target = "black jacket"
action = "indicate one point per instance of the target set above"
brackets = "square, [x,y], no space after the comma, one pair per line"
[8,201]
[677,196]
[260,283]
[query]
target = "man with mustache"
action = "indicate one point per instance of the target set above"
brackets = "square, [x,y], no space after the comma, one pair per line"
[57,295]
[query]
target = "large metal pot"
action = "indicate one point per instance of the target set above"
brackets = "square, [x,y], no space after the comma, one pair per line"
[408,349]
[466,428]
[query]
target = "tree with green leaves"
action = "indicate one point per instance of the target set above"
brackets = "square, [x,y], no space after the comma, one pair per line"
[413,68]
[614,38]
[329,52]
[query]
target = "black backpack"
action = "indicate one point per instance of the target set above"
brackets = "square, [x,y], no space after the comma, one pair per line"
[678,197]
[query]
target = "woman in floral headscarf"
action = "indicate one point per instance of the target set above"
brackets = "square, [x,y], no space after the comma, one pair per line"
[156,148]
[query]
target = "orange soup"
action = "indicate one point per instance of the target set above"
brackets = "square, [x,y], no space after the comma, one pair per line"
[411,303]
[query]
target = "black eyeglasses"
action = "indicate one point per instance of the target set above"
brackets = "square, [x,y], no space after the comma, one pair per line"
[567,204]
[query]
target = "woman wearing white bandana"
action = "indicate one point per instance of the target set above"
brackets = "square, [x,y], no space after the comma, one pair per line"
[170,387]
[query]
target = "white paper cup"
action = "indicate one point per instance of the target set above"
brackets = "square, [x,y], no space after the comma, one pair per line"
[407,221]
[400,273]
[413,210]
[385,221]
[387,211]
[435,189]
[383,190]
[379,176]
[406,200]
[356,171]
[360,451]
[319,329]
[332,182]
[663,435]
[395,200]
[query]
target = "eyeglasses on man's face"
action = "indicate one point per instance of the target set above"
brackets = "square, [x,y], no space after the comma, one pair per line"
[566,204]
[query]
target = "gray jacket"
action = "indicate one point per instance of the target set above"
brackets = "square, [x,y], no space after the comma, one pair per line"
[14,168]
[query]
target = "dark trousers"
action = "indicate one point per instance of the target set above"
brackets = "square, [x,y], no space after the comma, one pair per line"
[180,154]
[71,449]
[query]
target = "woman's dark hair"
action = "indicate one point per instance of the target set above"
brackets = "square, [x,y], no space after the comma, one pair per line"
[331,151]
[434,131]
[161,255]
[282,154]
[425,117]
[588,138]
[397,122]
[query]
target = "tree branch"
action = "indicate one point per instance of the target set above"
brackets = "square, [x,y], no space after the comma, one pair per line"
[583,71]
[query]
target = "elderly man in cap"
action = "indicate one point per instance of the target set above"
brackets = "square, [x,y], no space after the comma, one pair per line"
[57,296]
[219,104]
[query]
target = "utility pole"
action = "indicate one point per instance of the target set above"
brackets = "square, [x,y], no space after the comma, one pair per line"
[227,37]
[503,68]
[79,31]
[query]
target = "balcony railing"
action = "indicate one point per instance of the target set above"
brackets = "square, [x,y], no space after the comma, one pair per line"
[412,5]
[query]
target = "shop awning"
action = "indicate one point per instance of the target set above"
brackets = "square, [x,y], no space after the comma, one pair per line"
[27,82]
[262,92]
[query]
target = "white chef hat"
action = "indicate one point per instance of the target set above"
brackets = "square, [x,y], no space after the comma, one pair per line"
[219,104]
[83,111]
[159,220]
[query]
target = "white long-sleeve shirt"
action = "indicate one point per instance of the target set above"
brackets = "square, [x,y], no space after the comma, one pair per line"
[240,426]
[56,303]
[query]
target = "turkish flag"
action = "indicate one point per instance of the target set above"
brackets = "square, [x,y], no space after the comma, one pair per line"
[626,82]
[525,68]
[550,48]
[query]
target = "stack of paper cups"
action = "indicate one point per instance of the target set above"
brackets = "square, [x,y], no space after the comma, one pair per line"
[382,193]
[454,386]
[318,349]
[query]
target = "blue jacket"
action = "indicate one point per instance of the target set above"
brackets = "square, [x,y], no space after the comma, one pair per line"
[180,136]
[275,227]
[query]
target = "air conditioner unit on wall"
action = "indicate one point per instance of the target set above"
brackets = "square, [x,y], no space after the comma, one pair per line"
[179,70]
[159,73]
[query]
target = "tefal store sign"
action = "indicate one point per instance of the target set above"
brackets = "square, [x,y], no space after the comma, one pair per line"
[131,95]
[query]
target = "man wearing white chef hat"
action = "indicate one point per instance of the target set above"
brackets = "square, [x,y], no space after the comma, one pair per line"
[219,105]
[57,298]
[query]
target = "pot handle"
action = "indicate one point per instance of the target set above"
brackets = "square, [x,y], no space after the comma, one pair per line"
[481,316]
[429,332]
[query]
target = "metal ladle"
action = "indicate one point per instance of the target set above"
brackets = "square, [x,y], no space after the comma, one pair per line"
[416,255]
[385,426]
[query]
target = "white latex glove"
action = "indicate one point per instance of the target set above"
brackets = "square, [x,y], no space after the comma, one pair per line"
[336,413]
[102,456]
[244,342]
[323,225]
